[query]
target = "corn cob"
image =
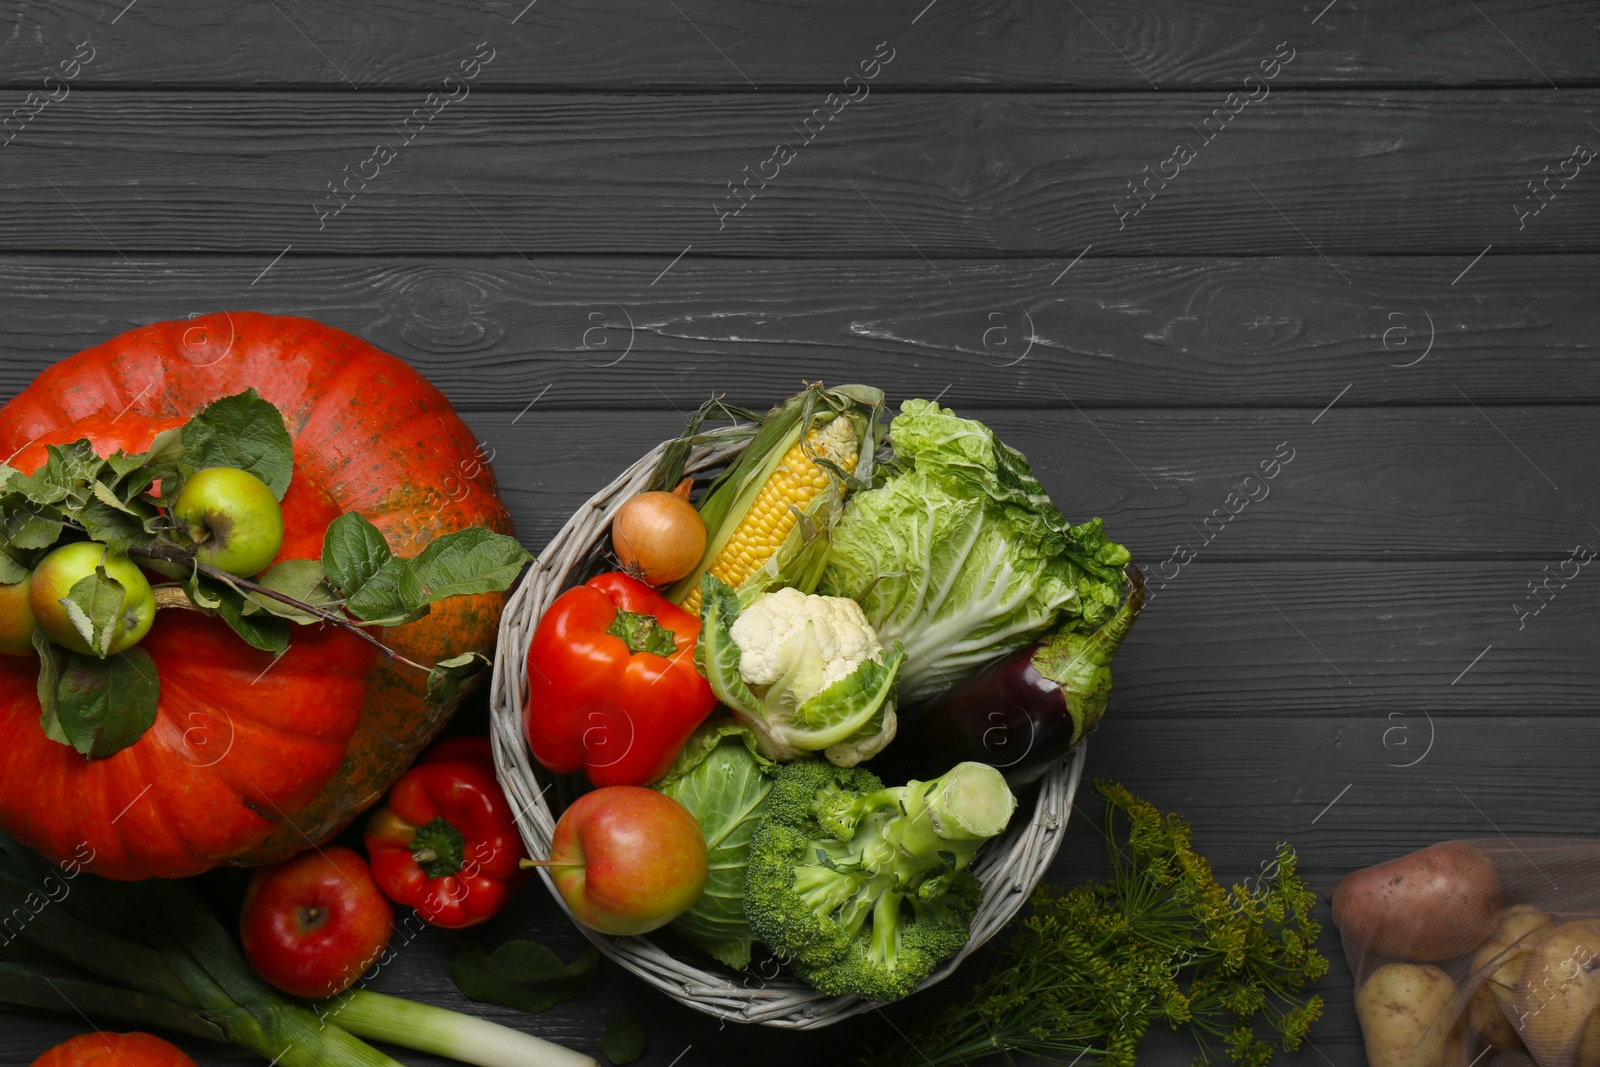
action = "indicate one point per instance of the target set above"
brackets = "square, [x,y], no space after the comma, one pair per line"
[793,484]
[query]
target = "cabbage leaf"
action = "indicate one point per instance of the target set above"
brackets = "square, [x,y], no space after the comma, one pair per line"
[961,557]
[723,779]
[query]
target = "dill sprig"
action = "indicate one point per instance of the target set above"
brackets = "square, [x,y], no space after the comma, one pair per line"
[1092,968]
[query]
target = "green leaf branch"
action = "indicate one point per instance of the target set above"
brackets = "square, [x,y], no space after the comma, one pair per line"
[128,505]
[297,609]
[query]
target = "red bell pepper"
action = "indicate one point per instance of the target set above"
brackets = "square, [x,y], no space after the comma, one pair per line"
[612,686]
[447,843]
[471,749]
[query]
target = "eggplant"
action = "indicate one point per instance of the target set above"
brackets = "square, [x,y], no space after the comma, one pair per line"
[1024,712]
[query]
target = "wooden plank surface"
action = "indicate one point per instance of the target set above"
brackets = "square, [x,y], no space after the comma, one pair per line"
[908,175]
[638,44]
[1140,332]
[1365,484]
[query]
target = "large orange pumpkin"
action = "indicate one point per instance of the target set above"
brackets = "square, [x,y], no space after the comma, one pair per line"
[114,1050]
[248,760]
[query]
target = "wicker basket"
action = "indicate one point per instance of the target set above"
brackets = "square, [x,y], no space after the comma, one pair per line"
[1009,868]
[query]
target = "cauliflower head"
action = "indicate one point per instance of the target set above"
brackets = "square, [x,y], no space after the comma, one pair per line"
[774,633]
[805,673]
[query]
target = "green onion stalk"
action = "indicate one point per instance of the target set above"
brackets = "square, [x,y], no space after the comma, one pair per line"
[151,954]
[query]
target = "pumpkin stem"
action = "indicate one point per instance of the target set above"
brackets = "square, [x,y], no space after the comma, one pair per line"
[173,596]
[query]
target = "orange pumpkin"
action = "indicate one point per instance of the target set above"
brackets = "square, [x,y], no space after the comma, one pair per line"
[114,1050]
[251,760]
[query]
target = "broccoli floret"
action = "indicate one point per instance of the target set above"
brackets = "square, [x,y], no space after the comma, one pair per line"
[866,888]
[909,938]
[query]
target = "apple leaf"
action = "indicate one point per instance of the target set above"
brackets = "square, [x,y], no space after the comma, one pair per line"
[449,675]
[241,431]
[74,468]
[301,579]
[29,530]
[94,607]
[623,1041]
[380,599]
[45,486]
[353,551]
[519,974]
[52,662]
[385,589]
[201,594]
[11,572]
[230,603]
[105,705]
[73,485]
[115,529]
[474,560]
[123,463]
[266,632]
[135,473]
[107,496]
[109,520]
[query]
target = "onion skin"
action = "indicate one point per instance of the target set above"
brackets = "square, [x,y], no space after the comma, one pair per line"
[659,537]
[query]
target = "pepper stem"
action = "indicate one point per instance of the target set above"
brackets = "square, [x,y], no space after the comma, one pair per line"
[643,633]
[439,848]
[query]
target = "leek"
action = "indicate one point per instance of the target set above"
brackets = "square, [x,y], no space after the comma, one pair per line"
[443,1032]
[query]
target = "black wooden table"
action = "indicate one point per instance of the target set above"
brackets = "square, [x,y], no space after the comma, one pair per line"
[1153,246]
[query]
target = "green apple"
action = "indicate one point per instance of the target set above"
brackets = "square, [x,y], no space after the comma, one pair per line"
[232,518]
[17,621]
[63,568]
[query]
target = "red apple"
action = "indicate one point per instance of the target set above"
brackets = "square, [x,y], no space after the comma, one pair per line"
[313,924]
[627,859]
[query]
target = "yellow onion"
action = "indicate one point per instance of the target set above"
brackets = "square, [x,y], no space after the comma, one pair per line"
[659,537]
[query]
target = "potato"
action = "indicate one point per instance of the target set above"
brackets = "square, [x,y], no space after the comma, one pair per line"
[1558,993]
[1588,1054]
[1489,1022]
[1407,1013]
[1500,962]
[1432,905]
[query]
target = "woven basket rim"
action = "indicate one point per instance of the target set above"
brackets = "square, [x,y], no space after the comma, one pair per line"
[1009,868]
